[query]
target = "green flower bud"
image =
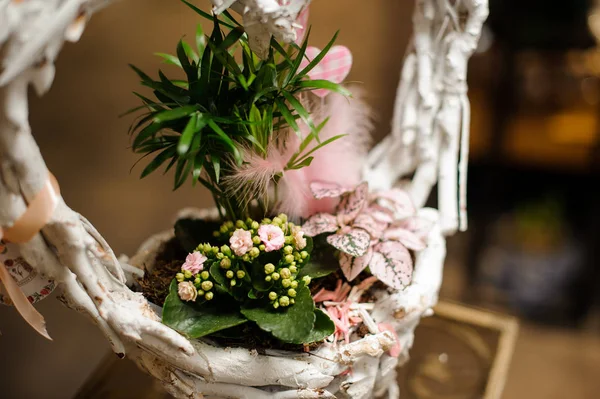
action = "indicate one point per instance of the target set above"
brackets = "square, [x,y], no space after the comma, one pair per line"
[304,254]
[200,293]
[292,292]
[289,258]
[240,224]
[286,282]
[254,225]
[256,240]
[223,229]
[205,275]
[261,247]
[226,250]
[229,274]
[275,276]
[283,217]
[208,296]
[241,274]
[249,221]
[233,283]
[288,240]
[269,268]
[266,221]
[229,224]
[294,284]
[268,278]
[215,250]
[272,295]
[254,252]
[288,249]
[284,301]
[197,280]
[306,280]
[292,301]
[285,273]
[277,220]
[275,305]
[293,269]
[225,263]
[180,277]
[297,257]
[207,285]
[246,258]
[187,274]
[216,234]
[220,255]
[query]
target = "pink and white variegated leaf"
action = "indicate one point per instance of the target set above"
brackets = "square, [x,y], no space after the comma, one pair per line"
[398,201]
[321,189]
[392,264]
[406,237]
[417,225]
[354,242]
[352,266]
[319,224]
[352,203]
[369,224]
[380,214]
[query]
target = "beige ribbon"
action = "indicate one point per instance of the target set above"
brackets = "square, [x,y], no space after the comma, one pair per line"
[36,216]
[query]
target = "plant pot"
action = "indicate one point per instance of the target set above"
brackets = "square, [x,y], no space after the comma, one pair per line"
[363,368]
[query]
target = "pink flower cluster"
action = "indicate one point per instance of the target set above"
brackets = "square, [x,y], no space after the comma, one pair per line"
[241,242]
[272,237]
[194,262]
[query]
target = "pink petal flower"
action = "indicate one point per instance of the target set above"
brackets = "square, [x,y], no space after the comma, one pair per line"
[194,262]
[241,242]
[352,203]
[352,266]
[299,239]
[319,224]
[369,224]
[398,201]
[272,236]
[392,264]
[409,239]
[321,189]
[355,242]
[187,291]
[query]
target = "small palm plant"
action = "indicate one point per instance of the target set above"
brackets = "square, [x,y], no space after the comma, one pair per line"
[203,125]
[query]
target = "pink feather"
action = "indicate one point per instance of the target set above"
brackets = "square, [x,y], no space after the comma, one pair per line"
[340,162]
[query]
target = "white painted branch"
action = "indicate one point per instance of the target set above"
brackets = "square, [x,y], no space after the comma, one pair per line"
[265,18]
[430,127]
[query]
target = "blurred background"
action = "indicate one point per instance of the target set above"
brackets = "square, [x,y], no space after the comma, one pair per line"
[532,249]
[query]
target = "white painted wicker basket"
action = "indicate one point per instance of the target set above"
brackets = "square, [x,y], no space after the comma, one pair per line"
[429,137]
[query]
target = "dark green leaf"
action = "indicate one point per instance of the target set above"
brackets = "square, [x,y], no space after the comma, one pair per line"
[299,108]
[292,324]
[195,320]
[207,15]
[157,161]
[323,328]
[169,59]
[315,61]
[176,113]
[287,115]
[188,134]
[324,84]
